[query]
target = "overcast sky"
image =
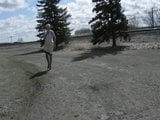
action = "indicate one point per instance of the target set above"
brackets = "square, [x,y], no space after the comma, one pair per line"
[18,17]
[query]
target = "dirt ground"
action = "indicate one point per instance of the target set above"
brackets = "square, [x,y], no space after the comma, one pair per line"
[95,84]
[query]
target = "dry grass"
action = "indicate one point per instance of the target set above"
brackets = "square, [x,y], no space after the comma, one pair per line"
[137,42]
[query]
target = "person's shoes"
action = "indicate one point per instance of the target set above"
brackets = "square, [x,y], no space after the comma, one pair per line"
[49,68]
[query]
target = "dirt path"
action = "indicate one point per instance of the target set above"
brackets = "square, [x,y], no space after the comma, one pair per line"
[83,85]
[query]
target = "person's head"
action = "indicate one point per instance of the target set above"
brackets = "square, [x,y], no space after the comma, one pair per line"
[48,26]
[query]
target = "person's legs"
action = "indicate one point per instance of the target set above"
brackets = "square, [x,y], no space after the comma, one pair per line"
[47,58]
[50,55]
[50,61]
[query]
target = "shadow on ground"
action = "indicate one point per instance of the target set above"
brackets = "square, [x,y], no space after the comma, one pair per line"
[38,74]
[40,51]
[60,47]
[32,52]
[99,52]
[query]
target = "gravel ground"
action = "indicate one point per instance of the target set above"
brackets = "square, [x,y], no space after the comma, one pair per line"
[96,84]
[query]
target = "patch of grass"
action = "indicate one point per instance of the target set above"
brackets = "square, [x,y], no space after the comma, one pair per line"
[81,46]
[3,114]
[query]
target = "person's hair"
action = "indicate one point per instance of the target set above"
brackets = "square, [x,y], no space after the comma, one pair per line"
[48,26]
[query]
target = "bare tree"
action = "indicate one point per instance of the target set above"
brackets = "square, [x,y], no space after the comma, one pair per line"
[133,22]
[157,17]
[152,17]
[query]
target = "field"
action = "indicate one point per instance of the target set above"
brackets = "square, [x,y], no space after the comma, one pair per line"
[85,83]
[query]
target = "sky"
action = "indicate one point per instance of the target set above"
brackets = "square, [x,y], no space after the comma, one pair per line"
[18,17]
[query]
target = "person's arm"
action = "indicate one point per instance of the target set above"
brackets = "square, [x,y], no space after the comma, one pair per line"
[43,40]
[54,36]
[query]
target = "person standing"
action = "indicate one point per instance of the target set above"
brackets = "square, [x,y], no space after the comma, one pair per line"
[49,44]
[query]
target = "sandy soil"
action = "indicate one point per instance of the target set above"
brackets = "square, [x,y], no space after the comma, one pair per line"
[96,84]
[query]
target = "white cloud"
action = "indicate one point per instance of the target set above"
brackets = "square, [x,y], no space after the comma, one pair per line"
[11,5]
[81,10]
[19,27]
[133,7]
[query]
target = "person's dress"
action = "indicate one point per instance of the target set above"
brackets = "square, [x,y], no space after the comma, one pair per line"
[49,43]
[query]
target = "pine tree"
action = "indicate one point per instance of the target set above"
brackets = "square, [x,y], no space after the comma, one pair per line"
[109,22]
[50,12]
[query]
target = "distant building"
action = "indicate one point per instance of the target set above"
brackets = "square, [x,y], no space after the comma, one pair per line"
[20,40]
[83,31]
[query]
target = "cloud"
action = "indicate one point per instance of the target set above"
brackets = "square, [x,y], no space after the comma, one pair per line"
[140,7]
[11,5]
[81,10]
[19,27]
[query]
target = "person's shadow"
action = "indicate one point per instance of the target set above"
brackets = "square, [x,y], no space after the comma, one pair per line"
[38,74]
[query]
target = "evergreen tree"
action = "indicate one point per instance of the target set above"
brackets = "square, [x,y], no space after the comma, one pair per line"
[109,22]
[50,12]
